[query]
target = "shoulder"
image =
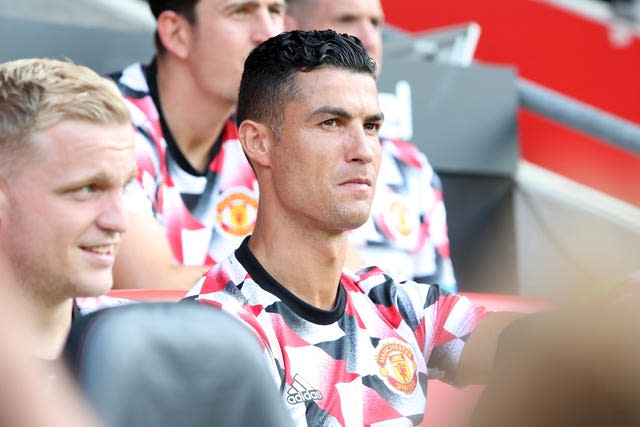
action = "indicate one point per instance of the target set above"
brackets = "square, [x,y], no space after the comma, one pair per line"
[412,299]
[230,131]
[132,81]
[227,275]
[372,278]
[407,299]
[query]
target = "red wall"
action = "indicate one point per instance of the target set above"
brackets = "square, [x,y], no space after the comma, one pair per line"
[565,52]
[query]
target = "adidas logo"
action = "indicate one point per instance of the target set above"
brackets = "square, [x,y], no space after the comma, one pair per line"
[301,391]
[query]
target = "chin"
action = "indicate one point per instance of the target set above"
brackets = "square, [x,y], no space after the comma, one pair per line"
[95,285]
[356,220]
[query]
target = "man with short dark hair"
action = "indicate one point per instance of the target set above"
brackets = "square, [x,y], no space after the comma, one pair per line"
[346,349]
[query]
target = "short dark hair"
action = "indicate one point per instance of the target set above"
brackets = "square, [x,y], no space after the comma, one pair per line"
[268,80]
[186,8]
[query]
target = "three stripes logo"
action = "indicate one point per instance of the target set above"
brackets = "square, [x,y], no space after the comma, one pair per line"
[301,391]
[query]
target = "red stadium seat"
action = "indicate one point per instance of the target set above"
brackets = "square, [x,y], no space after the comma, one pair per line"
[503,302]
[148,294]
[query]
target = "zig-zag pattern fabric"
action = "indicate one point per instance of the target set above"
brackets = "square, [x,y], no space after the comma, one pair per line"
[365,362]
[406,233]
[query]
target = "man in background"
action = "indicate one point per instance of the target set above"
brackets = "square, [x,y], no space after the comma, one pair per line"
[196,195]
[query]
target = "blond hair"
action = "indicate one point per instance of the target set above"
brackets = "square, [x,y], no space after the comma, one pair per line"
[38,93]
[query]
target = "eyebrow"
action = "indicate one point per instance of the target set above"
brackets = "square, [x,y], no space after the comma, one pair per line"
[100,177]
[240,3]
[341,112]
[251,4]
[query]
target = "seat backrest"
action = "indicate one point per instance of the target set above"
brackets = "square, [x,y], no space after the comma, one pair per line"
[154,295]
[168,364]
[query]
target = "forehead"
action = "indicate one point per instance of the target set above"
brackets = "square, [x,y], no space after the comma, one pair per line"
[70,136]
[224,4]
[355,92]
[332,11]
[74,146]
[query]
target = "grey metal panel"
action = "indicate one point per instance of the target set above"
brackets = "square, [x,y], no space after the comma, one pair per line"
[104,50]
[124,15]
[464,118]
[482,233]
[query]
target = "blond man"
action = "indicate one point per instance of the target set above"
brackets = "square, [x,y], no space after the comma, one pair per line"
[66,155]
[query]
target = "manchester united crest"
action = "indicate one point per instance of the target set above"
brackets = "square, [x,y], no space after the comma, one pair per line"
[236,212]
[401,221]
[397,366]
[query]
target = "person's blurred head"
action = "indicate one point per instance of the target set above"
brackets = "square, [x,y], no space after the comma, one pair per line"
[212,38]
[309,122]
[360,18]
[66,152]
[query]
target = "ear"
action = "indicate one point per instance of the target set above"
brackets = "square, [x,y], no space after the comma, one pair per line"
[290,23]
[256,139]
[174,32]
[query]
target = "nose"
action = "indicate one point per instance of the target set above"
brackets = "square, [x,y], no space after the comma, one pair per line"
[113,217]
[362,148]
[267,25]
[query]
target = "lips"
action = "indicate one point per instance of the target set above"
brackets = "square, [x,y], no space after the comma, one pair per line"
[357,181]
[105,249]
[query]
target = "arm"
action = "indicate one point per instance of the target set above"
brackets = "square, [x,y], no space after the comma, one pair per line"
[145,259]
[477,359]
[568,367]
[574,367]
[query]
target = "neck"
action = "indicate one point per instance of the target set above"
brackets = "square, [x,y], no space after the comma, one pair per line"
[52,325]
[307,263]
[45,324]
[195,118]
